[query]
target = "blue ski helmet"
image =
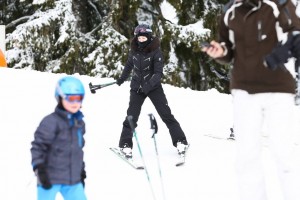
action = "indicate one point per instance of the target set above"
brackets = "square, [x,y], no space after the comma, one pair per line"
[68,85]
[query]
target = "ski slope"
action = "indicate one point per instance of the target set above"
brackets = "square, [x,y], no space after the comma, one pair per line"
[209,173]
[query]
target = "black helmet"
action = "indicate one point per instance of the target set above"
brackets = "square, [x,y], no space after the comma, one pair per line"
[142,29]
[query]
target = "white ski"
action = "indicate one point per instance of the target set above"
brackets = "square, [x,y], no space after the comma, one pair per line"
[218,137]
[130,161]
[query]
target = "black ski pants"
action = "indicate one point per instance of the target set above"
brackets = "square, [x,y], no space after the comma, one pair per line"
[159,100]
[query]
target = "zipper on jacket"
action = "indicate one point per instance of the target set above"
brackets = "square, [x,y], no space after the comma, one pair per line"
[71,155]
[79,135]
[259,31]
[141,72]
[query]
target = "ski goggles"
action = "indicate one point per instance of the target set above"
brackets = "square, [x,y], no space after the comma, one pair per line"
[142,30]
[73,98]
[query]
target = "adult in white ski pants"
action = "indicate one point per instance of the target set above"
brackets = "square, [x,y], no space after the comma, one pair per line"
[250,112]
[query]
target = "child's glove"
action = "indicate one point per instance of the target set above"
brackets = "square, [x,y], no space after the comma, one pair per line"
[296,49]
[41,172]
[83,176]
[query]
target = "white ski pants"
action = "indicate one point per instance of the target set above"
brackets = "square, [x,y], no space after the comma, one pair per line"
[250,112]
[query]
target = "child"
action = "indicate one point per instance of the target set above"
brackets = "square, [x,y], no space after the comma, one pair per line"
[57,155]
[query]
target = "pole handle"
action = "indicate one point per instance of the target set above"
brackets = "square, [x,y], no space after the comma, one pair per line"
[93,88]
[153,124]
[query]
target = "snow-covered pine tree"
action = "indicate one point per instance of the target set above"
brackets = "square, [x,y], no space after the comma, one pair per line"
[92,36]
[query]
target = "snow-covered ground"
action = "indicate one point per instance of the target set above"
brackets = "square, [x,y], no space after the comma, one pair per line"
[27,96]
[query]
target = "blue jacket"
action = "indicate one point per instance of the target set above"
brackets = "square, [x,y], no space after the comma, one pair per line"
[58,143]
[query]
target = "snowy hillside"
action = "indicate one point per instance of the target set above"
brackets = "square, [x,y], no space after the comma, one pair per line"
[27,96]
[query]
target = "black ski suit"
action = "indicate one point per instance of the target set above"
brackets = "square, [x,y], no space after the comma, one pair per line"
[147,65]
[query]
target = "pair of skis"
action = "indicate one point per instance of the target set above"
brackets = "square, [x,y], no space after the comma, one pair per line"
[180,160]
[131,162]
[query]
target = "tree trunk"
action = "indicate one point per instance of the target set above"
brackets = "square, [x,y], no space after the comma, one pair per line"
[80,10]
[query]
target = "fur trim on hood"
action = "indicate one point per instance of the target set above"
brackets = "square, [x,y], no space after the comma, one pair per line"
[153,45]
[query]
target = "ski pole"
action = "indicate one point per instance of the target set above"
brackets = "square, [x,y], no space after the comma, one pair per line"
[93,88]
[154,127]
[130,120]
[30,181]
[297,96]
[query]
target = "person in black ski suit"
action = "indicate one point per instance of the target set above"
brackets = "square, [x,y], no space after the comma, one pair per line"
[146,61]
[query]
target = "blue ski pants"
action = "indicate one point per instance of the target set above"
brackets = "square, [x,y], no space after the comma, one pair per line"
[69,192]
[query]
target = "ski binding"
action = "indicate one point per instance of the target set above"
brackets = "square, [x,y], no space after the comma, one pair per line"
[130,161]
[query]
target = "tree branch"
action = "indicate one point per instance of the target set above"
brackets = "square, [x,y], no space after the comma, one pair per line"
[95,8]
[17,21]
[157,14]
[105,19]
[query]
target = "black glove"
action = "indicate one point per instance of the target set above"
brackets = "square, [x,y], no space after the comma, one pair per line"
[280,55]
[296,49]
[41,172]
[83,176]
[119,82]
[146,88]
[283,52]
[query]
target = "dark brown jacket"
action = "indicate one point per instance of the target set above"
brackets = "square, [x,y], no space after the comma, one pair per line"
[250,34]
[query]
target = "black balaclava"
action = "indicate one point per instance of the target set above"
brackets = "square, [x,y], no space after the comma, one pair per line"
[142,45]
